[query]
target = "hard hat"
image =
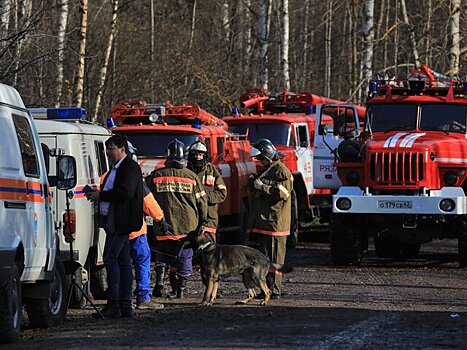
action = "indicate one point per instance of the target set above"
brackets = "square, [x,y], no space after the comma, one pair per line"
[176,150]
[198,146]
[265,149]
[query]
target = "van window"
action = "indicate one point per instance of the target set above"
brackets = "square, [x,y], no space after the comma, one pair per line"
[26,145]
[302,136]
[9,161]
[220,146]
[100,151]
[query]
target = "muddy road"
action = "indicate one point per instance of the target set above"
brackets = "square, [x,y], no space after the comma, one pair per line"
[412,304]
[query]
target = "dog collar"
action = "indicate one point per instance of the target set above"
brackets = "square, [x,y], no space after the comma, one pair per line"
[204,246]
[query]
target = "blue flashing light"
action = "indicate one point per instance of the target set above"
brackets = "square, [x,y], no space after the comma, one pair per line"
[372,87]
[309,110]
[196,123]
[72,113]
[111,123]
[235,112]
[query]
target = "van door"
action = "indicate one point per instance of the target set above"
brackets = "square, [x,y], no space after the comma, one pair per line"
[304,155]
[39,223]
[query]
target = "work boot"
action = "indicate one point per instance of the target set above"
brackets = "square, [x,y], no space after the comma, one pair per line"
[160,274]
[181,290]
[107,311]
[174,280]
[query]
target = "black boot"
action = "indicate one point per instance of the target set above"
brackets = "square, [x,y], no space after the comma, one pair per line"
[173,279]
[160,274]
[181,291]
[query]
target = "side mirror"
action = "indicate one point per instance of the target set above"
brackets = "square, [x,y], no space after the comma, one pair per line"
[66,176]
[46,153]
[323,129]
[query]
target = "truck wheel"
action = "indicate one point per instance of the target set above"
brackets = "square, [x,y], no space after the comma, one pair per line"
[292,239]
[10,317]
[99,283]
[346,240]
[50,312]
[387,247]
[462,248]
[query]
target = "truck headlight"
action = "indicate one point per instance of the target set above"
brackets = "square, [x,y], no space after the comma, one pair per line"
[343,204]
[450,178]
[447,205]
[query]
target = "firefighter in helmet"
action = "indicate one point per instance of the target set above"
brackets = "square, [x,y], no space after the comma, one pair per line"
[181,196]
[214,185]
[270,213]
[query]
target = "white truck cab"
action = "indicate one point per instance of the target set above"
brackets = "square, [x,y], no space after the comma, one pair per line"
[31,272]
[65,131]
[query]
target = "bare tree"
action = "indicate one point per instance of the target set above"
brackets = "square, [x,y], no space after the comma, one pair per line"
[226,19]
[192,27]
[285,44]
[327,49]
[62,22]
[79,89]
[263,41]
[410,28]
[454,50]
[108,51]
[368,38]
[23,20]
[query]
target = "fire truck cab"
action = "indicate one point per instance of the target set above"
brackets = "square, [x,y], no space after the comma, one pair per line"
[288,121]
[150,127]
[404,178]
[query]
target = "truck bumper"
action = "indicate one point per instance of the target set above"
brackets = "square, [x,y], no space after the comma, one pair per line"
[447,201]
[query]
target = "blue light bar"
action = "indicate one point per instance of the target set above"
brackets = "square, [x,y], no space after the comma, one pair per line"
[72,113]
[111,123]
[196,123]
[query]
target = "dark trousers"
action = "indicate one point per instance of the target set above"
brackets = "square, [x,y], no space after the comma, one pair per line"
[274,248]
[171,255]
[117,262]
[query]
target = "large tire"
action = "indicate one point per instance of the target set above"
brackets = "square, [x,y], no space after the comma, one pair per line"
[10,317]
[462,248]
[346,239]
[50,312]
[292,239]
[99,283]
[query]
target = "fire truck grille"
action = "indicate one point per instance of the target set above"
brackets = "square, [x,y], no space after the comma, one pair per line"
[396,168]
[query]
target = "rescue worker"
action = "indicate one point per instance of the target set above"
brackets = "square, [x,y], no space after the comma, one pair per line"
[139,247]
[214,185]
[182,198]
[270,214]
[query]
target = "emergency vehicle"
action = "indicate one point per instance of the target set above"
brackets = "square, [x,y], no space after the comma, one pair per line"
[65,131]
[288,121]
[31,272]
[150,127]
[404,177]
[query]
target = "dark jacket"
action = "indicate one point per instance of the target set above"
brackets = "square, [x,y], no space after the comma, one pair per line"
[126,196]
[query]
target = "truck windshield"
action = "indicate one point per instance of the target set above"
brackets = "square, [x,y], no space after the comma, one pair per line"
[155,145]
[391,117]
[278,134]
[446,117]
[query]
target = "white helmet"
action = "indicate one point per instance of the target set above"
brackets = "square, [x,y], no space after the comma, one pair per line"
[132,150]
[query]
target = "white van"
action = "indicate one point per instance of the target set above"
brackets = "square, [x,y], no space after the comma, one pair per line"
[65,131]
[31,272]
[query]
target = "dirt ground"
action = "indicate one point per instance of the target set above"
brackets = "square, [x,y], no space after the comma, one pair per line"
[414,304]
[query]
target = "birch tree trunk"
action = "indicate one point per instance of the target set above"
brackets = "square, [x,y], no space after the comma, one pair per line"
[226,19]
[454,50]
[5,9]
[248,48]
[263,42]
[192,29]
[151,45]
[429,44]
[62,22]
[396,37]
[285,44]
[327,50]
[79,89]
[108,51]
[412,39]
[368,40]
[23,12]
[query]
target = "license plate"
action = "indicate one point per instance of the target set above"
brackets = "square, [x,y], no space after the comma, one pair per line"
[149,221]
[395,204]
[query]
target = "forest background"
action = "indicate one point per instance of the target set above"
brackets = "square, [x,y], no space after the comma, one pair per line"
[95,53]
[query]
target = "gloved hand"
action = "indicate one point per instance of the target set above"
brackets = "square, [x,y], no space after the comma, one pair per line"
[258,184]
[164,226]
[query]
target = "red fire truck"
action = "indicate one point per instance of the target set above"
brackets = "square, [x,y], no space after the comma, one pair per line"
[150,127]
[288,121]
[404,177]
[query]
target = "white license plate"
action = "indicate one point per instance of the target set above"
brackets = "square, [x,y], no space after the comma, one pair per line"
[395,204]
[149,221]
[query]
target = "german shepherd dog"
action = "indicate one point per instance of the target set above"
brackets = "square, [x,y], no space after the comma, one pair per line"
[225,260]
